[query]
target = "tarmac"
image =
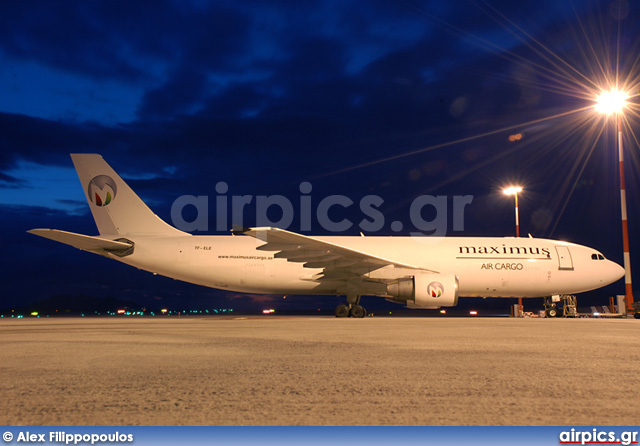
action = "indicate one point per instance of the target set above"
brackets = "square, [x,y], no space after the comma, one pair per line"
[319,371]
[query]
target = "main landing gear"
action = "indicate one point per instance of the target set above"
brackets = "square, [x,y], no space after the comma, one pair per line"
[352,308]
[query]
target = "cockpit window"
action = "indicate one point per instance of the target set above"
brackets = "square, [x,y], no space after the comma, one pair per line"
[600,257]
[597,257]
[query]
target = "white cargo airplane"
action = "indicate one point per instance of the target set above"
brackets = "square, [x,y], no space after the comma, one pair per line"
[274,261]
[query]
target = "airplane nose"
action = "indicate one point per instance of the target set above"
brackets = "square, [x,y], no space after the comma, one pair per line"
[617,271]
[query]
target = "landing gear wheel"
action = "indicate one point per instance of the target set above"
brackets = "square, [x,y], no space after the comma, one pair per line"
[358,311]
[636,315]
[342,311]
[552,312]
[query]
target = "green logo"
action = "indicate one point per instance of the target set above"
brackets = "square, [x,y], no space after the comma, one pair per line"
[435,289]
[102,190]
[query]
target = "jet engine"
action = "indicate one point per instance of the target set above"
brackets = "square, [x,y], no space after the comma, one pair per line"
[425,291]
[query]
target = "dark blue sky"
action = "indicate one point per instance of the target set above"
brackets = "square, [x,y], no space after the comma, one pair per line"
[392,98]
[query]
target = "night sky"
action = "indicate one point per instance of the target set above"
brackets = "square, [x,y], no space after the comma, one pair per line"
[389,98]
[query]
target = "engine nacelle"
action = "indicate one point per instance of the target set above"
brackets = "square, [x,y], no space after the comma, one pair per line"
[425,291]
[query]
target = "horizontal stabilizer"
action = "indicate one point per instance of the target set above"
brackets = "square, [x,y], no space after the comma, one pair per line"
[85,242]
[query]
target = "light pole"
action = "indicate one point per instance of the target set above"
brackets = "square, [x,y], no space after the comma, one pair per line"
[614,102]
[514,190]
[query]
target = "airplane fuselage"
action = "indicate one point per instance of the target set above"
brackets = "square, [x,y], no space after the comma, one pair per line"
[486,267]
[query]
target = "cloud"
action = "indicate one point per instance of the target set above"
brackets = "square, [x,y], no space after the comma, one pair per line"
[72,37]
[182,94]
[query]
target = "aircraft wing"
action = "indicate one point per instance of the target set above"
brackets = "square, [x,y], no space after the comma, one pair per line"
[338,262]
[85,242]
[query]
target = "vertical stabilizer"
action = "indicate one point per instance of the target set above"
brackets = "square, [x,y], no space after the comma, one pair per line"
[116,209]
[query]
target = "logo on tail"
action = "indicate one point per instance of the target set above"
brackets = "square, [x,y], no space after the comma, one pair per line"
[435,289]
[102,190]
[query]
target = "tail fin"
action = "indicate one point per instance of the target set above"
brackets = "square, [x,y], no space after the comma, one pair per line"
[116,209]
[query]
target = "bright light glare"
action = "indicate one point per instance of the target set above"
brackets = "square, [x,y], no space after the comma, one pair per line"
[610,102]
[512,190]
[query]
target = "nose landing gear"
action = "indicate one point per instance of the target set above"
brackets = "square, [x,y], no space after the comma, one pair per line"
[561,306]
